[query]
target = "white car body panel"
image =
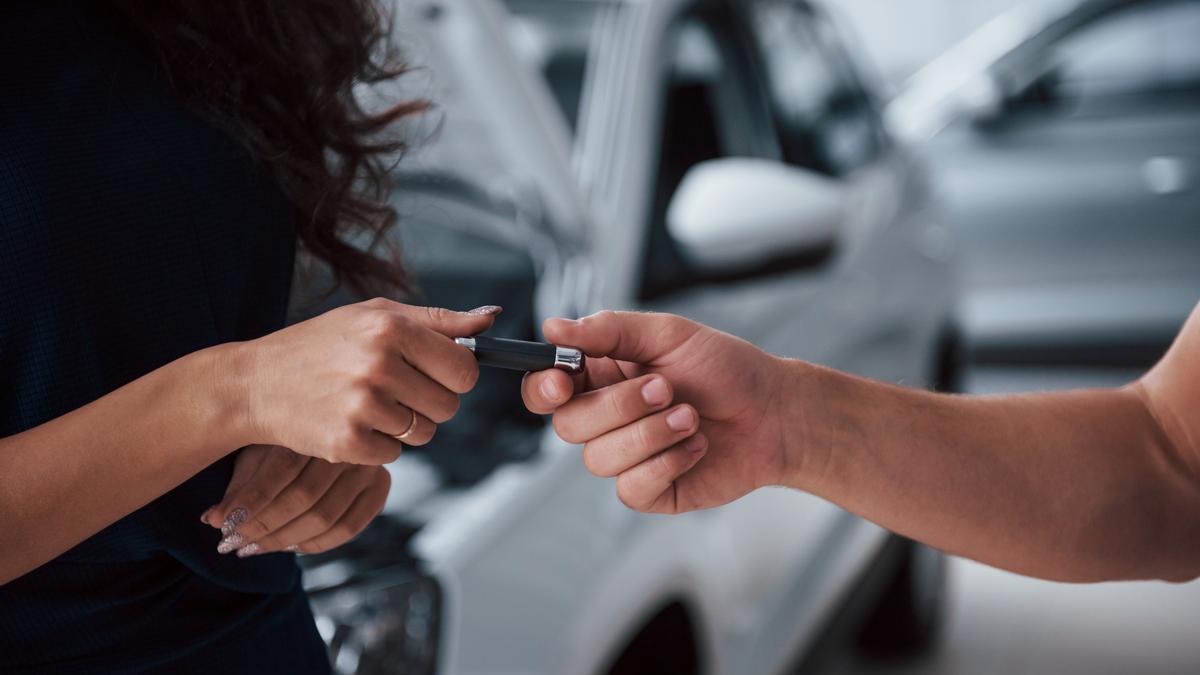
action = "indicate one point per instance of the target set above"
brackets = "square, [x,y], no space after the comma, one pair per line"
[544,570]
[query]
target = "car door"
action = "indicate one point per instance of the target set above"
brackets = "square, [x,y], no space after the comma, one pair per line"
[718,101]
[790,98]
[1078,205]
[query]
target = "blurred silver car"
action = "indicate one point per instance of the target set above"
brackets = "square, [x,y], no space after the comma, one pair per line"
[715,159]
[1065,138]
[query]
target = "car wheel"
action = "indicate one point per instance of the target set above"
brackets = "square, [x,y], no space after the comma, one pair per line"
[667,644]
[909,617]
[910,614]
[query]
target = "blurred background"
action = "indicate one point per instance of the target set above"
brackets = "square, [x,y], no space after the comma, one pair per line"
[983,197]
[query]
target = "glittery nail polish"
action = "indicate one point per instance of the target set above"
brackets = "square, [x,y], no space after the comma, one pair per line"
[236,517]
[294,548]
[230,543]
[249,549]
[489,310]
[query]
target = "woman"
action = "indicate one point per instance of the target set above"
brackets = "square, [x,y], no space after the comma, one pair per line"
[160,161]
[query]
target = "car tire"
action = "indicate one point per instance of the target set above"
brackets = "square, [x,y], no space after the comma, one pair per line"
[911,612]
[665,645]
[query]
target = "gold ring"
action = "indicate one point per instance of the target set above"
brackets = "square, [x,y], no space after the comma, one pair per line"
[412,426]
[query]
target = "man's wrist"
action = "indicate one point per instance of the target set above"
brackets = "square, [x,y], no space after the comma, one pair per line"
[806,414]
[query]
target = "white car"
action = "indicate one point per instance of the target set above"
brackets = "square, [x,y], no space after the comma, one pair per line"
[667,166]
[1065,141]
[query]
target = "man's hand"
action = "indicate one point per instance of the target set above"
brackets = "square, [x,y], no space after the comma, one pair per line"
[684,416]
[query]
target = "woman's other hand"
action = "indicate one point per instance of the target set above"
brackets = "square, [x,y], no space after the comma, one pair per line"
[358,383]
[279,500]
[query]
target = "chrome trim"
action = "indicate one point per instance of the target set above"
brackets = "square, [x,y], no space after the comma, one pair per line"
[570,360]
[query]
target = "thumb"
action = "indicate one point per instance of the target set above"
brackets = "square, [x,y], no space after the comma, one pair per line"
[450,323]
[638,337]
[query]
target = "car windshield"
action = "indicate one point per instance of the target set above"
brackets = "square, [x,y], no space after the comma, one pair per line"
[556,38]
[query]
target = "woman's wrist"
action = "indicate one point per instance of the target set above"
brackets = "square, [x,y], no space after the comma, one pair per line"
[226,369]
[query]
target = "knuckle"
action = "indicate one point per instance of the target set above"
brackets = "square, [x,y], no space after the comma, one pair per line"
[377,303]
[464,377]
[564,427]
[300,498]
[628,494]
[343,443]
[435,315]
[254,530]
[375,365]
[360,399]
[252,498]
[324,518]
[613,403]
[446,410]
[603,318]
[641,438]
[663,465]
[380,326]
[427,437]
[389,454]
[592,462]
[272,520]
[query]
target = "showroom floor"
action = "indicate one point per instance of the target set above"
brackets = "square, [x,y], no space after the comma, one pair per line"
[1003,624]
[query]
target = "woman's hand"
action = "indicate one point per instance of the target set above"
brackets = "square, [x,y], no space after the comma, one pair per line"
[278,501]
[353,384]
[684,416]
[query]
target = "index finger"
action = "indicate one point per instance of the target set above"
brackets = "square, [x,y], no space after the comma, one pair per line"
[546,391]
[441,359]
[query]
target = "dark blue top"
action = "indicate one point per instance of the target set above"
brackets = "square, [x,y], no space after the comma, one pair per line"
[131,234]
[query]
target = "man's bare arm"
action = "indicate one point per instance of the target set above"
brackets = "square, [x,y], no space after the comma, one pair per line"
[1076,486]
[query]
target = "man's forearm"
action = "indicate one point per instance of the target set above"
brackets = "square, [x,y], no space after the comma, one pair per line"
[1079,486]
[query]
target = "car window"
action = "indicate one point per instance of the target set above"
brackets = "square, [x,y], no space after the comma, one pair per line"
[711,108]
[825,119]
[463,244]
[556,38]
[1145,49]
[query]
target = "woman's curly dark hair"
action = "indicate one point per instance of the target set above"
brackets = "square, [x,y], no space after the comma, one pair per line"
[279,76]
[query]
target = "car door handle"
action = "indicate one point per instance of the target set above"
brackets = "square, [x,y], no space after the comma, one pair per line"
[1166,175]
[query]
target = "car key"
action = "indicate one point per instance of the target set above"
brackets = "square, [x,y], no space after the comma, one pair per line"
[524,356]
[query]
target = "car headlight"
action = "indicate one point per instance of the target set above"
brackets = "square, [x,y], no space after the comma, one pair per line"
[384,623]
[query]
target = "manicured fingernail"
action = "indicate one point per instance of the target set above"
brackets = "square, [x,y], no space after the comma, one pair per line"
[656,393]
[249,549]
[550,389]
[230,543]
[487,310]
[294,548]
[696,445]
[204,516]
[236,517]
[681,419]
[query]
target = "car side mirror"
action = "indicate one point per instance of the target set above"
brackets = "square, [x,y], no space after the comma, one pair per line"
[738,214]
[983,99]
